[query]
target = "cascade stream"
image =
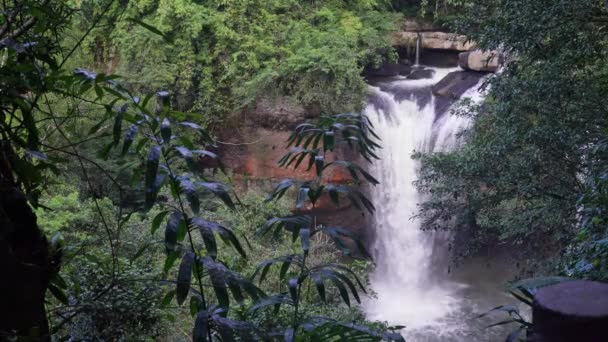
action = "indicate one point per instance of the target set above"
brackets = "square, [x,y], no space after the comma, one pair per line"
[411,281]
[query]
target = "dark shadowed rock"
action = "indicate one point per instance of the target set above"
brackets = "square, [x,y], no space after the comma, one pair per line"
[419,74]
[451,88]
[571,311]
[388,69]
[439,58]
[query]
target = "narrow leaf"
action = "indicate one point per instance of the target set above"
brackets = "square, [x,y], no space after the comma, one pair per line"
[184,278]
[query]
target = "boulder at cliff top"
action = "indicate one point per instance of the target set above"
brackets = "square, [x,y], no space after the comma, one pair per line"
[434,40]
[477,60]
[417,25]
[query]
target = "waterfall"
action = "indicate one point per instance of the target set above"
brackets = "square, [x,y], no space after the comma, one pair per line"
[410,289]
[418,42]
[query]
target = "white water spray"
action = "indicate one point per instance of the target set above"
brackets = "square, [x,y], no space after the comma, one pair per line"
[408,291]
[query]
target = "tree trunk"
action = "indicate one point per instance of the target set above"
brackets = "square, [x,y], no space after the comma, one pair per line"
[25,264]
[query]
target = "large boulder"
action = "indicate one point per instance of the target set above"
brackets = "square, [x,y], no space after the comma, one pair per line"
[434,40]
[477,60]
[456,83]
[452,87]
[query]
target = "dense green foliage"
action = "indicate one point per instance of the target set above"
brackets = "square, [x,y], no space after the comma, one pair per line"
[134,239]
[225,54]
[102,167]
[535,148]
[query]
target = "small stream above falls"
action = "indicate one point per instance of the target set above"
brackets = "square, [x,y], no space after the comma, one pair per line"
[411,280]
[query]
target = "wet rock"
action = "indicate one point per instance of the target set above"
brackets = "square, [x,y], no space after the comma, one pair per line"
[402,91]
[388,69]
[571,311]
[477,60]
[451,88]
[419,74]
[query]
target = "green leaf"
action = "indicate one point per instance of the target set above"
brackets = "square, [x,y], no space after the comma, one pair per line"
[207,228]
[218,281]
[319,165]
[172,257]
[165,131]
[150,178]
[305,239]
[140,252]
[184,278]
[319,284]
[206,137]
[118,123]
[59,294]
[340,236]
[354,170]
[293,223]
[158,220]
[172,230]
[328,141]
[293,288]
[187,188]
[150,28]
[221,191]
[98,91]
[97,126]
[281,188]
[510,309]
[302,197]
[286,261]
[188,157]
[105,151]
[337,281]
[167,298]
[201,327]
[196,305]
[129,137]
[208,237]
[275,301]
[532,285]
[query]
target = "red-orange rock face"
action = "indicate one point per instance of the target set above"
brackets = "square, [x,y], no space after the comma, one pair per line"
[252,150]
[254,154]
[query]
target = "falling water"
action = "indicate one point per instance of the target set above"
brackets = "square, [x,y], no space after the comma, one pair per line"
[411,289]
[418,42]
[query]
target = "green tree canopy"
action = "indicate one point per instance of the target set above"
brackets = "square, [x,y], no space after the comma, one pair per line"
[225,54]
[530,152]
